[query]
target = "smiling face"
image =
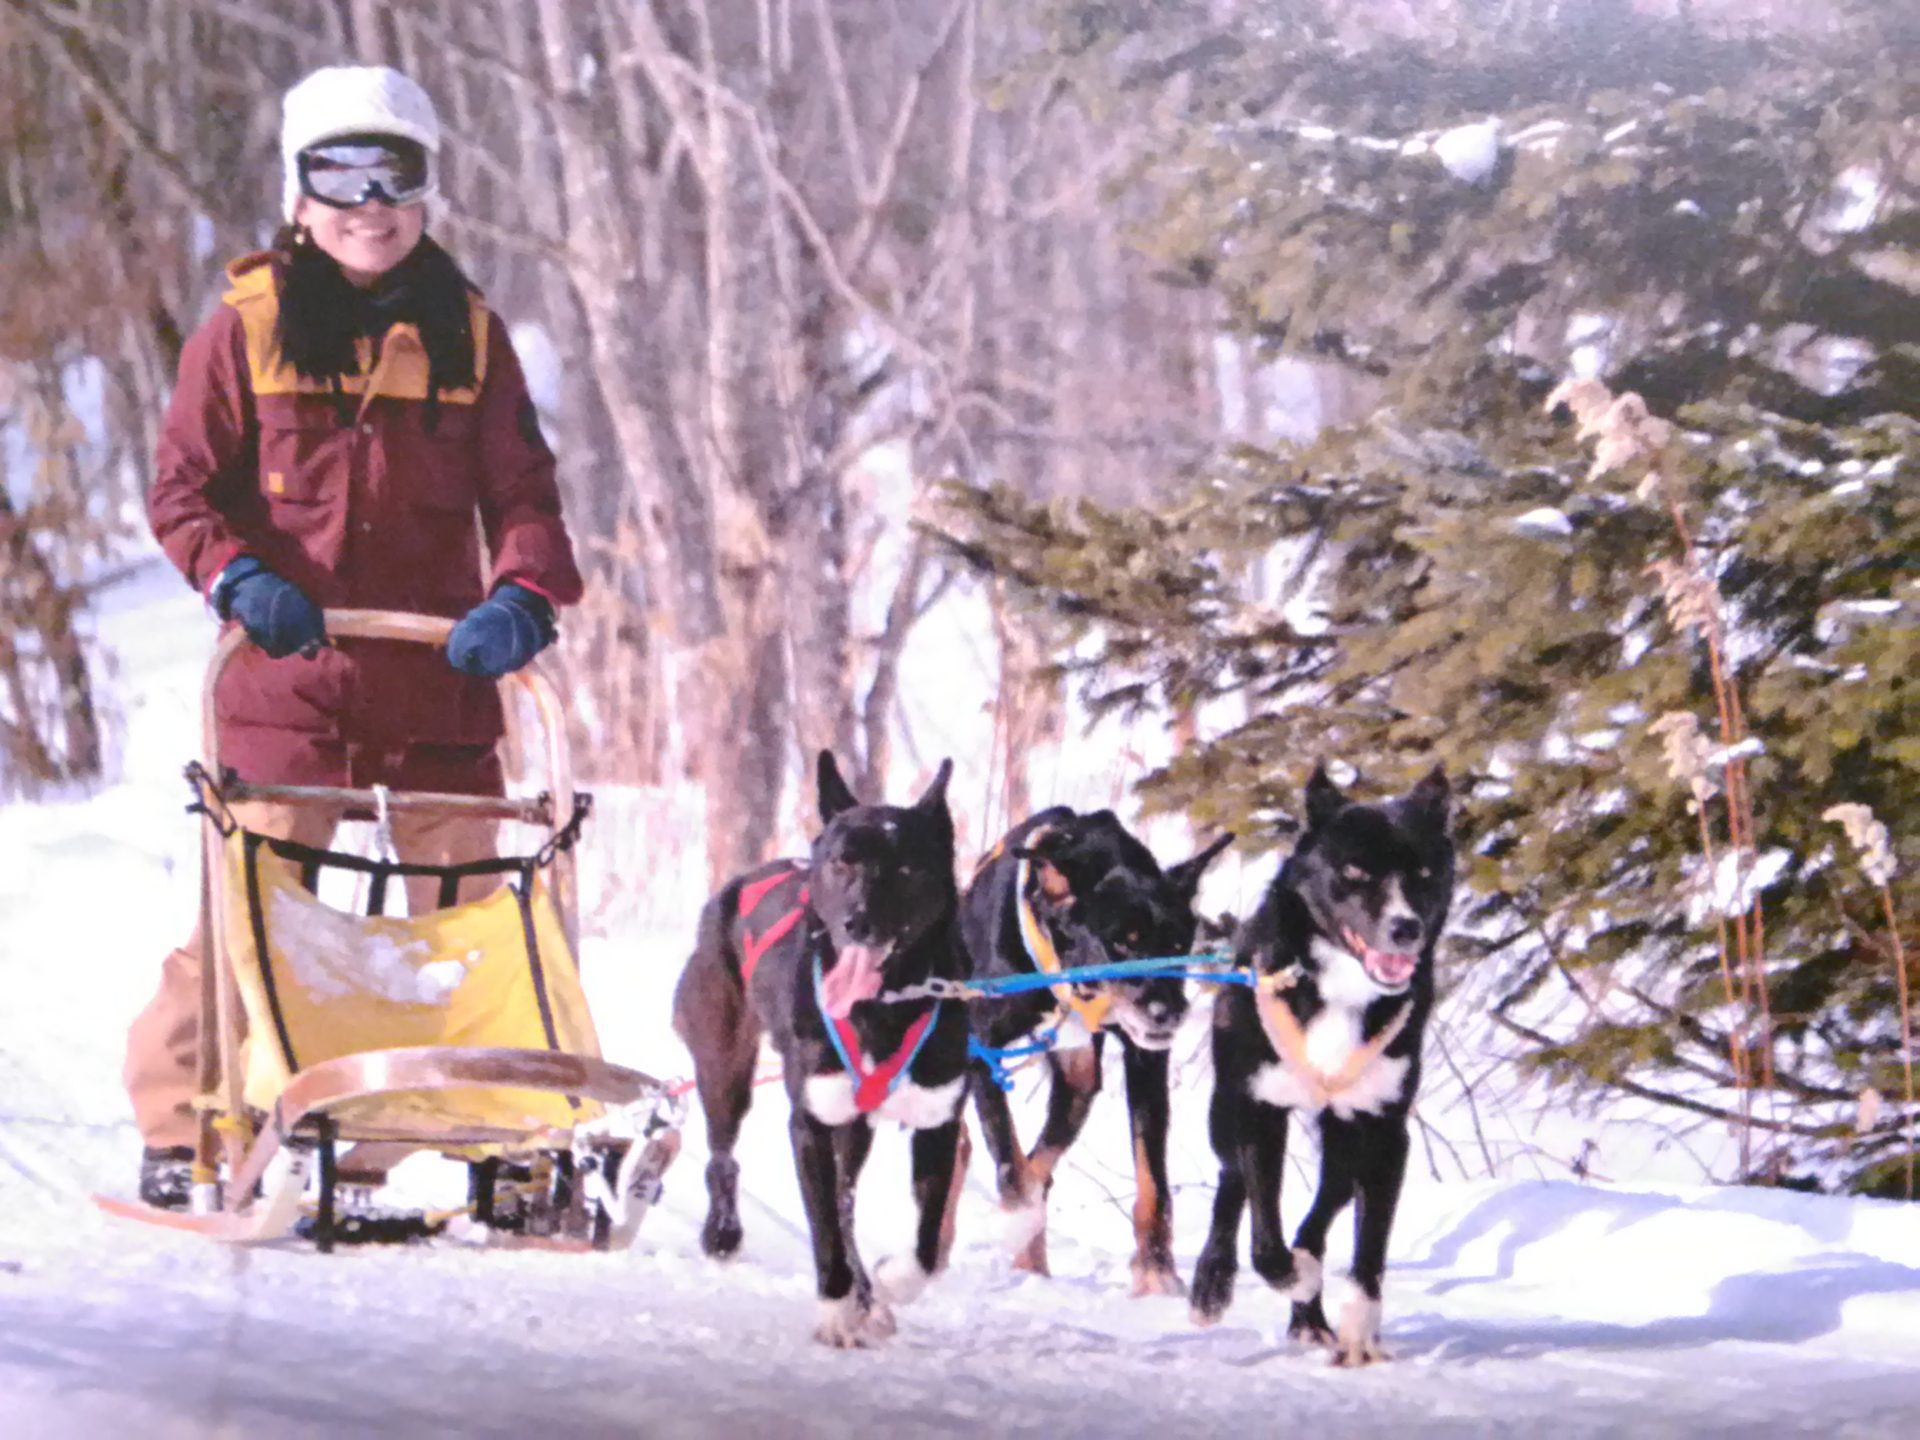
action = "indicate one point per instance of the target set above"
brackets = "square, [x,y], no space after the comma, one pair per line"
[367,240]
[1378,879]
[881,880]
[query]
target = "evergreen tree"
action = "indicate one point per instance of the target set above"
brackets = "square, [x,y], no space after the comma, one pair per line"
[1654,655]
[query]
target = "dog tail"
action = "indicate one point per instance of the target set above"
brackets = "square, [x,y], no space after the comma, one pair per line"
[711,987]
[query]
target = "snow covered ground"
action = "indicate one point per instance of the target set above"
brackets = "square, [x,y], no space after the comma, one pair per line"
[1514,1305]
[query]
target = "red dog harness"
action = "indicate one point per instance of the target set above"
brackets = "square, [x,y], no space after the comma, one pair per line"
[752,947]
[871,1087]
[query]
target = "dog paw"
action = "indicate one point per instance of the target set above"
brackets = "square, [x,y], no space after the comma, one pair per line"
[1212,1288]
[720,1237]
[850,1323]
[899,1280]
[1309,1324]
[879,1326]
[1358,1342]
[1155,1277]
[1021,1225]
[1032,1256]
[841,1323]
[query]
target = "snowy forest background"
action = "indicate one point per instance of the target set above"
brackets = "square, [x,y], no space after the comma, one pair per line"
[1206,347]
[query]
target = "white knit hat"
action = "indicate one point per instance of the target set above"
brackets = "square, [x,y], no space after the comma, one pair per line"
[355,100]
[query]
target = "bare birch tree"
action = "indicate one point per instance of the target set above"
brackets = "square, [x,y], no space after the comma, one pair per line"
[762,237]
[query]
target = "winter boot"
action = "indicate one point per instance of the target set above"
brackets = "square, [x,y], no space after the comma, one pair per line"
[166,1176]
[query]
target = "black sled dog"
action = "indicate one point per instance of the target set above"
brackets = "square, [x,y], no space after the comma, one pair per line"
[1345,938]
[802,953]
[1065,889]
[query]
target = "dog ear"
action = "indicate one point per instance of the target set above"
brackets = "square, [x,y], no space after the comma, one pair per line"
[1324,800]
[834,794]
[935,795]
[1428,804]
[1186,875]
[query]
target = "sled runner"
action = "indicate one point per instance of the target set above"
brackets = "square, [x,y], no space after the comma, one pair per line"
[463,1030]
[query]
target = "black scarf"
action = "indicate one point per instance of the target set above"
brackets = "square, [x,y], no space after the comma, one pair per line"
[322,313]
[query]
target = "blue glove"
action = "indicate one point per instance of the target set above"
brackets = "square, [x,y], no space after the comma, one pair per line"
[275,613]
[501,633]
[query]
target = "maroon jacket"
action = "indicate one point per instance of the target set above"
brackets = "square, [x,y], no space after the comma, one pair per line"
[361,506]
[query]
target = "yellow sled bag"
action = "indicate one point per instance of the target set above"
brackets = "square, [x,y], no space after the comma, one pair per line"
[319,983]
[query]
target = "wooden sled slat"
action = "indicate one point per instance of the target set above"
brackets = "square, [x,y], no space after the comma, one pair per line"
[271,1217]
[364,804]
[226,1227]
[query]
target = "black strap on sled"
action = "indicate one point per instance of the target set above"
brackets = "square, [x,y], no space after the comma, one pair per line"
[523,896]
[257,918]
[208,801]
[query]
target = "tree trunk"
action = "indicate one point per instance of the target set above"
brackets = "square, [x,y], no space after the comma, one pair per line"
[742,673]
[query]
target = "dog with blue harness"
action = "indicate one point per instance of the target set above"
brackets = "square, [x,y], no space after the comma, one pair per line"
[813,955]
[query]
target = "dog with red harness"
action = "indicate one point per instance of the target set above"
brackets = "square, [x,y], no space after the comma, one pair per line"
[810,955]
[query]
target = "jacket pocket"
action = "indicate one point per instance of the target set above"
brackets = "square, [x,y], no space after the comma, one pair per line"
[304,476]
[303,457]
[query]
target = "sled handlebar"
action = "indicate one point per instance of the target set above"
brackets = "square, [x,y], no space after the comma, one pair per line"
[433,630]
[388,625]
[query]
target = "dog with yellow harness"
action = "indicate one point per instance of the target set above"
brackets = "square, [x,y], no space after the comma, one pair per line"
[1063,890]
[1342,954]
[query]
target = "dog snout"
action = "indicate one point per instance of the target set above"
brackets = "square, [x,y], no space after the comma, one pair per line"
[1405,932]
[861,929]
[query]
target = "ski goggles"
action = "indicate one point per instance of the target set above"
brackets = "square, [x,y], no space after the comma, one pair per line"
[354,169]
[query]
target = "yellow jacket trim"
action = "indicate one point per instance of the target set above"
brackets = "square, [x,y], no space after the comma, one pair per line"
[400,373]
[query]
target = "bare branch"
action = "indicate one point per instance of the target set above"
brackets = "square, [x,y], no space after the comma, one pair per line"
[508,237]
[1678,1102]
[874,199]
[486,61]
[71,54]
[261,21]
[1717,1042]
[836,68]
[902,611]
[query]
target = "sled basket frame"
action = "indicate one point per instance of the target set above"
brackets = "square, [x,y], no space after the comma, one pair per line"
[259,1200]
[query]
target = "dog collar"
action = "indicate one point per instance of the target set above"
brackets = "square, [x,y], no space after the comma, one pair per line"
[1092,1009]
[872,1087]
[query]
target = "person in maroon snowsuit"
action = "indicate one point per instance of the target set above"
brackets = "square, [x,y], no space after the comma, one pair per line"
[350,428]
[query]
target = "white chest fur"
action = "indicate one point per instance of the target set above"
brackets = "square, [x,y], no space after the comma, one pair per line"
[918,1107]
[1332,1037]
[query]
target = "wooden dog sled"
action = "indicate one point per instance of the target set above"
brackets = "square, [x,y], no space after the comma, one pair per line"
[464,1030]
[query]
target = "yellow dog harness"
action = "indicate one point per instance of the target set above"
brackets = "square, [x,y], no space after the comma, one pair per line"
[1089,1003]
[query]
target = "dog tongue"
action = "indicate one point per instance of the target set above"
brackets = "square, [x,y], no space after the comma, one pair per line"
[1391,967]
[855,976]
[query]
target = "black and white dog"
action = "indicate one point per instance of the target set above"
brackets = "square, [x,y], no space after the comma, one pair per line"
[1081,889]
[1346,936]
[803,953]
